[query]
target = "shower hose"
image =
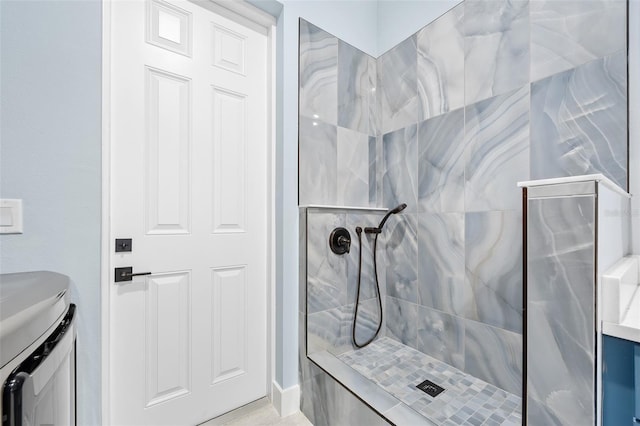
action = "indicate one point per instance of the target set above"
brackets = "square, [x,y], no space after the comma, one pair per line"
[375,269]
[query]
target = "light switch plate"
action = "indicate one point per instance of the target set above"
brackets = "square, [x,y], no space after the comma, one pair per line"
[10,216]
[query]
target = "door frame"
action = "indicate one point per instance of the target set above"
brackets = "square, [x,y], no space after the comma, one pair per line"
[252,17]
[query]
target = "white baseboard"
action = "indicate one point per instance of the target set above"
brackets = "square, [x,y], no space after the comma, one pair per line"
[286,402]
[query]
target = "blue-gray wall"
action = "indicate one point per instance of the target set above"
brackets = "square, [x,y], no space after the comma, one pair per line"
[50,157]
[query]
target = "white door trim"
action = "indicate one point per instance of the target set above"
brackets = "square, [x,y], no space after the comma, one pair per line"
[247,14]
[105,256]
[240,11]
[271,208]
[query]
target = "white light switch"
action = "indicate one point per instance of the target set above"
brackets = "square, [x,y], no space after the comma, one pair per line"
[6,217]
[10,216]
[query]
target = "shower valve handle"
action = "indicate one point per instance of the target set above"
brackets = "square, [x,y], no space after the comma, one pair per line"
[340,241]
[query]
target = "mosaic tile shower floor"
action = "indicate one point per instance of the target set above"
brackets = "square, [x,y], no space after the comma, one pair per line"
[466,400]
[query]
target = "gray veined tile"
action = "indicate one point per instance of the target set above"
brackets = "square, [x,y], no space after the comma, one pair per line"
[310,404]
[326,271]
[566,34]
[403,415]
[325,402]
[318,74]
[397,86]
[373,171]
[493,265]
[441,64]
[579,121]
[354,88]
[441,279]
[380,170]
[496,47]
[401,320]
[302,260]
[366,389]
[441,335]
[560,246]
[367,289]
[560,381]
[367,322]
[441,163]
[352,168]
[324,331]
[374,105]
[539,416]
[497,151]
[399,175]
[560,307]
[306,369]
[400,247]
[494,355]
[317,177]
[331,330]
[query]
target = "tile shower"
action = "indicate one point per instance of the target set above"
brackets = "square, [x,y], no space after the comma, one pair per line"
[491,93]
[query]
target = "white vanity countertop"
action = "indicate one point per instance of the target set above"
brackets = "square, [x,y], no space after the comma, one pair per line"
[629,328]
[621,300]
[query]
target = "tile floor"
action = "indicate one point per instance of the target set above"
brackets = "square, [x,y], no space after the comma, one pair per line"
[259,413]
[268,416]
[466,400]
[397,368]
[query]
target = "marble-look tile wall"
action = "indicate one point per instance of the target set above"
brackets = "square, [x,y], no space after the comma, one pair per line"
[566,34]
[331,280]
[491,93]
[323,400]
[338,122]
[510,119]
[324,320]
[579,121]
[496,47]
[560,310]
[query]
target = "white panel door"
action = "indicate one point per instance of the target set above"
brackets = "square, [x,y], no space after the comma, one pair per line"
[188,110]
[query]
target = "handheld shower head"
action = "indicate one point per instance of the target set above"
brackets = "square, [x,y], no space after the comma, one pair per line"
[398,209]
[395,210]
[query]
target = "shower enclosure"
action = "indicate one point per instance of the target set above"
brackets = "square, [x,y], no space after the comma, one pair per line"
[448,122]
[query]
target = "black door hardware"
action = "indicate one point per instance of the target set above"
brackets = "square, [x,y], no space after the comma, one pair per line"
[123,245]
[126,274]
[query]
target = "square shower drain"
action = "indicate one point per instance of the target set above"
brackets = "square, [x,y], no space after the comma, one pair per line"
[430,388]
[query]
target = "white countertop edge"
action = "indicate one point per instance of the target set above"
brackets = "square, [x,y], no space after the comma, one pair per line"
[328,207]
[571,179]
[621,331]
[618,269]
